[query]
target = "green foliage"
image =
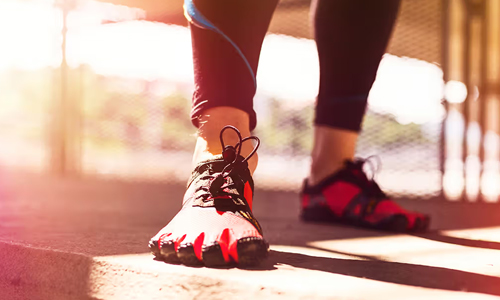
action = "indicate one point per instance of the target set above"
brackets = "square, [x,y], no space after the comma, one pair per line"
[177,127]
[287,130]
[118,118]
[383,130]
[123,114]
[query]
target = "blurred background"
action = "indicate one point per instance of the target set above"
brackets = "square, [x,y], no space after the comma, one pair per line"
[102,89]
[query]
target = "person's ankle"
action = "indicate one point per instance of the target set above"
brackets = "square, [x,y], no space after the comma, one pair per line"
[208,144]
[206,150]
[332,146]
[320,172]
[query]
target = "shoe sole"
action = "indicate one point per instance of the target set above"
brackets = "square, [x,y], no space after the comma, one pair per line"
[396,223]
[251,252]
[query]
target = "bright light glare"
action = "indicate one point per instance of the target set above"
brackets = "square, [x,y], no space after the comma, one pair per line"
[289,68]
[455,91]
[410,89]
[454,133]
[472,175]
[30,34]
[472,162]
[453,178]
[490,179]
[134,49]
[453,184]
[490,187]
[473,138]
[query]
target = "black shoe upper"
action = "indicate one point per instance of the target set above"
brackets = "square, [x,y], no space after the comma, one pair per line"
[222,186]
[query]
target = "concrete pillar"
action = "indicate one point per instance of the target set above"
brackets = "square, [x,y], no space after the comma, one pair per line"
[65,130]
[455,69]
[490,100]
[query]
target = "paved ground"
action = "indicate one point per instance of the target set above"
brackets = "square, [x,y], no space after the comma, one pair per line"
[86,239]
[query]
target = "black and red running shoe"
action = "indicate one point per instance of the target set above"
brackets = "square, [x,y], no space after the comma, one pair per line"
[350,197]
[215,226]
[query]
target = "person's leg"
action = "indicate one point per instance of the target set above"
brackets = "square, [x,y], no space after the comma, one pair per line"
[215,225]
[225,81]
[351,36]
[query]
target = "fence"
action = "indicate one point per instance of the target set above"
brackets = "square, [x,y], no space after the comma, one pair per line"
[102,91]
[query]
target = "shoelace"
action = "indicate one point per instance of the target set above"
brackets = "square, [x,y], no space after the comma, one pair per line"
[218,188]
[369,185]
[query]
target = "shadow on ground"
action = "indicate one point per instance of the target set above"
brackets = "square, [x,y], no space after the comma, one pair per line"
[394,272]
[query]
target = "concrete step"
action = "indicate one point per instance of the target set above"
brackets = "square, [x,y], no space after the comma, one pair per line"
[86,239]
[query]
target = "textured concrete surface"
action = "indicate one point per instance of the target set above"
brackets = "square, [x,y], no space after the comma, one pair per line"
[86,239]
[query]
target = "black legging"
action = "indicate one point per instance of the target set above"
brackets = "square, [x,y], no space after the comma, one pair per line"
[351,37]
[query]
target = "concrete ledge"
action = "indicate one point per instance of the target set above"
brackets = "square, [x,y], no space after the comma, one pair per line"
[33,273]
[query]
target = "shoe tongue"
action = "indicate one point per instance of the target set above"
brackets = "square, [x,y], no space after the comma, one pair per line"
[359,174]
[356,169]
[218,164]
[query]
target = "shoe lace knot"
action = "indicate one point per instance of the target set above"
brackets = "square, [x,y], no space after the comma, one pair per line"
[222,185]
